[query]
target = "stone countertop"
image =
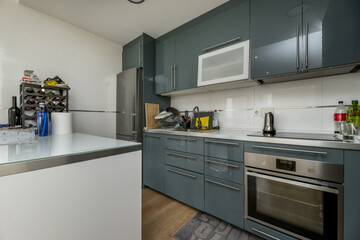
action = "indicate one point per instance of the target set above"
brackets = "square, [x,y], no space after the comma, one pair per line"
[56,150]
[241,135]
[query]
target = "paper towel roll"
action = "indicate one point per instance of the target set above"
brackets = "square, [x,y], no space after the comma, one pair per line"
[61,123]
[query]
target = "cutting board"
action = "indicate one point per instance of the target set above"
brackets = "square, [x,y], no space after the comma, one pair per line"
[151,110]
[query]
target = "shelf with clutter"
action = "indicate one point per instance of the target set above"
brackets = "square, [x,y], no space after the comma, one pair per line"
[53,92]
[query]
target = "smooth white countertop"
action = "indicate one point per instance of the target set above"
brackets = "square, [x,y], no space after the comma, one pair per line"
[58,146]
[241,135]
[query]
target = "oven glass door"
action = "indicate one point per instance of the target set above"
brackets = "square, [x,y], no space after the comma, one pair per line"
[304,209]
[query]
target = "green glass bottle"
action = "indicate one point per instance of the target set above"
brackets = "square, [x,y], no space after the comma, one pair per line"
[353,112]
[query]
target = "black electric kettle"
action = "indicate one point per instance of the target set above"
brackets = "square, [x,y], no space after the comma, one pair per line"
[269,123]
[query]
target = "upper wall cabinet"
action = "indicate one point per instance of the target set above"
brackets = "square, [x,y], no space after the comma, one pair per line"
[177,51]
[275,32]
[176,60]
[289,36]
[331,32]
[229,25]
[132,56]
[186,59]
[164,64]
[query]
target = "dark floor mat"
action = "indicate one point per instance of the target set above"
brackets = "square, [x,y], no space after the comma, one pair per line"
[207,227]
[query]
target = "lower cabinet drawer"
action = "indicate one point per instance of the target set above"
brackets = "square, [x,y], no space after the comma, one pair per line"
[185,186]
[187,161]
[226,170]
[265,232]
[225,200]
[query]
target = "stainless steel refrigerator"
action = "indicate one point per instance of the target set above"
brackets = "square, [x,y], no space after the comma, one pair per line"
[129,105]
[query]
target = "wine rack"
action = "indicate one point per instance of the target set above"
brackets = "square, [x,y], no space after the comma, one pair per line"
[51,97]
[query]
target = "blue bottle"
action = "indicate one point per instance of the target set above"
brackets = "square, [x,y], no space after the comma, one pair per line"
[43,121]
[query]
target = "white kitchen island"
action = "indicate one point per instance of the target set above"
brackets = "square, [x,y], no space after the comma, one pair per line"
[70,187]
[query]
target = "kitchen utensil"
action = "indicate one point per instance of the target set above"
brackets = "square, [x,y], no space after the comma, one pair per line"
[151,110]
[174,111]
[269,126]
[350,132]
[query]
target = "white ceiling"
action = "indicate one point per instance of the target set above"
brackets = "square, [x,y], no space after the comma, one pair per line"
[122,21]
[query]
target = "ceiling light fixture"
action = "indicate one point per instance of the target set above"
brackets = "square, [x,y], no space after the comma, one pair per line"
[136,1]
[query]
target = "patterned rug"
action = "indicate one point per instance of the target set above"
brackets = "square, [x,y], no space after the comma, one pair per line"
[207,227]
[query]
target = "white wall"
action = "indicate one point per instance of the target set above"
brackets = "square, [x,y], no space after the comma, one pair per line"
[239,105]
[88,63]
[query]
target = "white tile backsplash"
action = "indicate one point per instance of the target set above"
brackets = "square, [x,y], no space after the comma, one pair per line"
[300,106]
[88,63]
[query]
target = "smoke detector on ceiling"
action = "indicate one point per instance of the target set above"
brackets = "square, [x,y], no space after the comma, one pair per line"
[136,1]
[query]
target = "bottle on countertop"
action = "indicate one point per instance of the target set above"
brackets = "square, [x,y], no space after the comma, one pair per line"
[215,122]
[43,121]
[339,117]
[353,112]
[14,114]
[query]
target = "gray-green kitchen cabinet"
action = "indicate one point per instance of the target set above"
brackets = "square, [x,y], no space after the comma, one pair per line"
[185,186]
[153,161]
[186,59]
[275,26]
[176,60]
[333,34]
[164,64]
[351,195]
[226,23]
[132,56]
[177,51]
[225,200]
[289,36]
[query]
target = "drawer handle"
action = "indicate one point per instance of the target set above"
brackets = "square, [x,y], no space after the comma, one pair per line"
[290,150]
[220,44]
[224,185]
[180,155]
[184,139]
[152,136]
[265,234]
[219,142]
[184,174]
[224,164]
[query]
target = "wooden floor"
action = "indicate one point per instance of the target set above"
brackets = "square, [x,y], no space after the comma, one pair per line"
[162,216]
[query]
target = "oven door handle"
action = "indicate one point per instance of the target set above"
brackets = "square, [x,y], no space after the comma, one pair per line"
[292,182]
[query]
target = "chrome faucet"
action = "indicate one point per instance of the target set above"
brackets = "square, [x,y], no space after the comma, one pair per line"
[197,119]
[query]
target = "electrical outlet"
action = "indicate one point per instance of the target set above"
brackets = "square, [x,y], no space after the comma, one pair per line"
[257,112]
[266,110]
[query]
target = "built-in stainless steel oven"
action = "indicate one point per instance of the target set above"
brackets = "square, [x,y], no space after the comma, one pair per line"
[301,198]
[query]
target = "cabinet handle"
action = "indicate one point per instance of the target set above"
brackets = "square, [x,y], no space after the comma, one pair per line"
[220,163]
[139,53]
[290,150]
[225,143]
[153,136]
[174,77]
[297,47]
[220,44]
[184,174]
[265,234]
[183,139]
[307,45]
[224,185]
[180,155]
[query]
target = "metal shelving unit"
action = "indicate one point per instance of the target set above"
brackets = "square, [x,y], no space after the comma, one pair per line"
[28,111]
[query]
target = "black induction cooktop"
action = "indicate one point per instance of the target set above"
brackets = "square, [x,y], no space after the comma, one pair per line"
[305,136]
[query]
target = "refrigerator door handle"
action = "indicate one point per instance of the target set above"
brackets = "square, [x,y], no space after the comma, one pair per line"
[133,123]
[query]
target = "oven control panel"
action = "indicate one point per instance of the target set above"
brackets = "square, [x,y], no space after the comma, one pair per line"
[287,165]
